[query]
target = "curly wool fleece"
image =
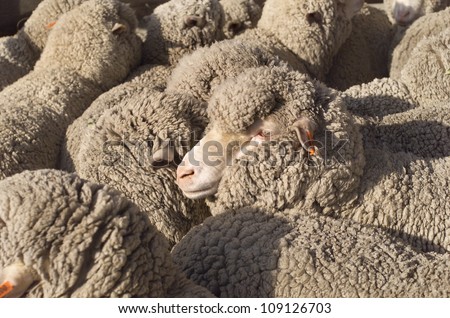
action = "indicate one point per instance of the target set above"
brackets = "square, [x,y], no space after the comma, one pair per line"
[83,57]
[81,239]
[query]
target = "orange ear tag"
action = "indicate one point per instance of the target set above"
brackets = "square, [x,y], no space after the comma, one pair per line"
[5,289]
[312,151]
[51,24]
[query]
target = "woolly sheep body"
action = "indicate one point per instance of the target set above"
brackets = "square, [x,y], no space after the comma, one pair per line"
[393,119]
[147,76]
[88,241]
[19,53]
[117,150]
[378,98]
[423,28]
[265,253]
[314,44]
[274,41]
[74,68]
[179,27]
[199,73]
[427,71]
[364,56]
[168,36]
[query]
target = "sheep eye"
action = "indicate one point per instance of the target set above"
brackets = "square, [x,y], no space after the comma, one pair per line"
[265,134]
[314,17]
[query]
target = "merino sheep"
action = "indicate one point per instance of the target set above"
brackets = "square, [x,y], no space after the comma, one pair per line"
[133,147]
[91,49]
[404,12]
[318,159]
[273,42]
[19,53]
[378,98]
[179,27]
[199,73]
[253,252]
[305,34]
[365,54]
[147,76]
[426,71]
[239,15]
[151,75]
[422,29]
[424,132]
[66,237]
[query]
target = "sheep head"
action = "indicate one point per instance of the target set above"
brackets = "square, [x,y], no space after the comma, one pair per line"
[97,40]
[404,12]
[179,27]
[46,14]
[275,137]
[239,15]
[313,30]
[66,237]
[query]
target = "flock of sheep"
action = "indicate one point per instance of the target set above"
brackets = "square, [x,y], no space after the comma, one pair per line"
[228,148]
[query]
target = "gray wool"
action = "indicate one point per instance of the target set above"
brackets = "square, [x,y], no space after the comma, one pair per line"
[262,252]
[139,81]
[313,44]
[179,27]
[19,53]
[422,29]
[427,71]
[378,98]
[424,131]
[354,175]
[169,34]
[200,73]
[82,59]
[281,36]
[365,54]
[116,150]
[82,239]
[153,75]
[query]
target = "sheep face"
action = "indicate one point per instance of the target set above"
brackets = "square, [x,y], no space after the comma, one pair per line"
[202,169]
[268,129]
[105,40]
[404,12]
[313,30]
[179,27]
[239,15]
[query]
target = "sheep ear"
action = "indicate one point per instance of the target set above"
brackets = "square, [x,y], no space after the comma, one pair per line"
[351,7]
[15,280]
[119,28]
[305,129]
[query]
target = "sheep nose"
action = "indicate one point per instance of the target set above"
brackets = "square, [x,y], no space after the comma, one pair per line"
[185,173]
[233,27]
[194,20]
[403,14]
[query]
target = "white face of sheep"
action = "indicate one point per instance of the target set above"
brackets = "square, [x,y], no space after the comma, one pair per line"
[405,11]
[202,168]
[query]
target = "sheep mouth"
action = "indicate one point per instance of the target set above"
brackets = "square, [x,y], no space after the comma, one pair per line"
[201,193]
